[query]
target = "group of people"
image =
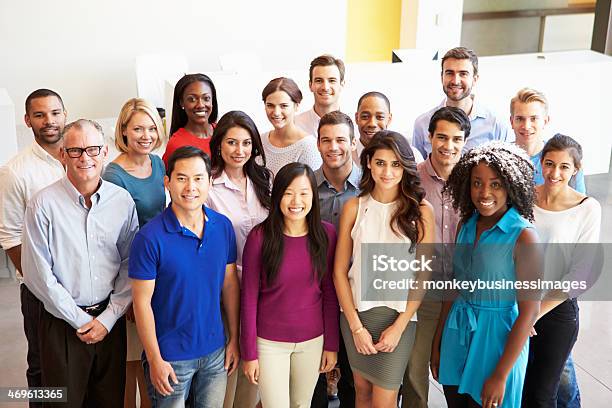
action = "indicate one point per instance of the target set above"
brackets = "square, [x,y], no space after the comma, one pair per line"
[246,288]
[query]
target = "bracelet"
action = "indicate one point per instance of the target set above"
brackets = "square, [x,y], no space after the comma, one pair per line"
[359,330]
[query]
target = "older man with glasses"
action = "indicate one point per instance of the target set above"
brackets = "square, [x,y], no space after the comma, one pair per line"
[78,233]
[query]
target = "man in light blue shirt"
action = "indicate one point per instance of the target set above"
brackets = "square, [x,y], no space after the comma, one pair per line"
[77,237]
[529,118]
[459,76]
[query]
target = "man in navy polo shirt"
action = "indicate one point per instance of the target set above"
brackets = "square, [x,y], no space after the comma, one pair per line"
[182,266]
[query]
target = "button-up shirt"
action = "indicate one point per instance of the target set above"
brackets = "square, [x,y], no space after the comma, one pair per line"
[446,217]
[330,200]
[77,256]
[24,175]
[485,128]
[243,209]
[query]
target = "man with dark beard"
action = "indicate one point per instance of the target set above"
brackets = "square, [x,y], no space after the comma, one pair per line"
[33,168]
[459,76]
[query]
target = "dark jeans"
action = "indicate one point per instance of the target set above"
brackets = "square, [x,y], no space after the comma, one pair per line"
[94,374]
[569,392]
[346,387]
[549,350]
[30,309]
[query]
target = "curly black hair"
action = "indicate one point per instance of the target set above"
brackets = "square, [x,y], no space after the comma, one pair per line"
[513,166]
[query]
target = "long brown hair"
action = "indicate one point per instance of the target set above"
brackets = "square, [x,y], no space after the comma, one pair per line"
[407,219]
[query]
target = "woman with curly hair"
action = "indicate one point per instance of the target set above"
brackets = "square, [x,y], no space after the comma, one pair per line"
[480,348]
[391,208]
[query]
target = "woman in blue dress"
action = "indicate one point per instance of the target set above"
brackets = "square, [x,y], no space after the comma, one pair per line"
[481,343]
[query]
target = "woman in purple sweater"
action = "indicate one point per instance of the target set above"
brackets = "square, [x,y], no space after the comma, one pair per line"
[289,317]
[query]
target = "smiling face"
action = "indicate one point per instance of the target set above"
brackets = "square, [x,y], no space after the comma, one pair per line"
[336,146]
[197,102]
[296,201]
[528,122]
[386,169]
[446,143]
[236,147]
[488,192]
[280,109]
[326,85]
[372,116]
[558,168]
[188,184]
[84,170]
[458,78]
[141,133]
[46,117]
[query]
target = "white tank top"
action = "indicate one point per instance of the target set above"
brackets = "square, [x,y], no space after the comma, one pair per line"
[372,225]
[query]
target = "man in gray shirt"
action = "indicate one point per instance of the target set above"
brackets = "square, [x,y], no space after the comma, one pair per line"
[337,181]
[77,237]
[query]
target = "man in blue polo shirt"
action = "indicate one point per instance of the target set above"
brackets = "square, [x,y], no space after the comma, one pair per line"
[182,266]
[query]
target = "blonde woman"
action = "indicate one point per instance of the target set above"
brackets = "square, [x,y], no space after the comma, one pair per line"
[138,133]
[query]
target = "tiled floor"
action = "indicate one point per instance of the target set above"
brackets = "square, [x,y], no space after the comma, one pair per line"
[592,353]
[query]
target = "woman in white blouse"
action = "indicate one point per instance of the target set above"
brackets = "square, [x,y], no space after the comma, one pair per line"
[287,142]
[240,190]
[562,216]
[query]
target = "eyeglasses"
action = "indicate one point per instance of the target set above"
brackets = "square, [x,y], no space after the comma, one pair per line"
[76,152]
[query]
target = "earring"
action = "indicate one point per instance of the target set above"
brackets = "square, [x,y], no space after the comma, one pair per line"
[182,107]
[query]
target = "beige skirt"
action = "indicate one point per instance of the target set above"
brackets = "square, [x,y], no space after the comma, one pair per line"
[383,369]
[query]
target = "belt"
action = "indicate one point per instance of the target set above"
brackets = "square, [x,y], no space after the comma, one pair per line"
[97,309]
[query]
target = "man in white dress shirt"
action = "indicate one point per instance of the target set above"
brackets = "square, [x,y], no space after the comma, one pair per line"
[326,81]
[32,169]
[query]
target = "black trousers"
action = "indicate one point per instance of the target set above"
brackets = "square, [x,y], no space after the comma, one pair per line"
[456,400]
[31,308]
[346,386]
[94,374]
[557,332]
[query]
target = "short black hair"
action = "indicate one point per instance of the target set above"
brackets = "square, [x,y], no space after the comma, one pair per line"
[41,93]
[187,152]
[453,115]
[374,94]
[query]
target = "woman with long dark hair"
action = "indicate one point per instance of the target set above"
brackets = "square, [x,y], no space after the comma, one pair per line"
[563,216]
[194,114]
[240,190]
[289,317]
[391,209]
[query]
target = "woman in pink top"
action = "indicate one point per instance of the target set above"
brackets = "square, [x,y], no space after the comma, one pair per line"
[194,113]
[289,316]
[240,190]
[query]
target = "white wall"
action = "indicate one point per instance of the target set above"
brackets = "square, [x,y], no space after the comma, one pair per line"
[85,50]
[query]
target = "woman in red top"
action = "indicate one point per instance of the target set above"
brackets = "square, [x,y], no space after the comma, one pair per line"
[194,114]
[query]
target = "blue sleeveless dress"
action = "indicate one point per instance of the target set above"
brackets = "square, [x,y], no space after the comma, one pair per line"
[479,322]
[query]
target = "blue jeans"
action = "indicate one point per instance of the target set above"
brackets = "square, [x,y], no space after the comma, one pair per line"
[205,377]
[568,395]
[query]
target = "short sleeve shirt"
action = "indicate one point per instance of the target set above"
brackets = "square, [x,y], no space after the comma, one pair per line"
[189,274]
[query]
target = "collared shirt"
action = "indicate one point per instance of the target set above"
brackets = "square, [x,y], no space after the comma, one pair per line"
[330,200]
[485,128]
[24,175]
[244,210]
[309,122]
[446,217]
[189,272]
[77,256]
